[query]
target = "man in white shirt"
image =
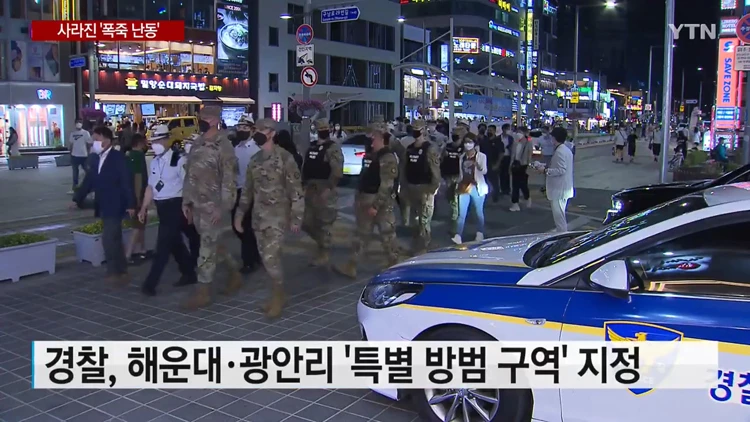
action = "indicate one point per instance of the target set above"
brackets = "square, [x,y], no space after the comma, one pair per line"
[245,150]
[547,145]
[165,180]
[559,179]
[79,145]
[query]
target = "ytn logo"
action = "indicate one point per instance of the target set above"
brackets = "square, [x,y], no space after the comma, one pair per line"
[707,32]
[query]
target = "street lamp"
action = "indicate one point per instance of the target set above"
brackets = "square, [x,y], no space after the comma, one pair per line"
[285,16]
[700,90]
[401,19]
[611,4]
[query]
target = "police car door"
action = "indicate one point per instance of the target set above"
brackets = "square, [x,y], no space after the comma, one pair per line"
[688,283]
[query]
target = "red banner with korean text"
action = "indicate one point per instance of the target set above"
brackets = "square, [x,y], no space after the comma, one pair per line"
[107,30]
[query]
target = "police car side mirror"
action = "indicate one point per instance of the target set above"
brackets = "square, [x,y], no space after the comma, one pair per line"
[613,278]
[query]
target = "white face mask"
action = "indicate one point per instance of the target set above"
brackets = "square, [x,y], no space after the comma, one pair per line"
[79,125]
[337,128]
[97,147]
[187,148]
[469,146]
[158,149]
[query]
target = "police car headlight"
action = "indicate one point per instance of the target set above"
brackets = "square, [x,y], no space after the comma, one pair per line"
[617,205]
[389,294]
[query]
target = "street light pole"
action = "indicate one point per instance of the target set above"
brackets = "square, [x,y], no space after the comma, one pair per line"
[306,122]
[666,105]
[682,92]
[452,86]
[575,71]
[93,66]
[650,70]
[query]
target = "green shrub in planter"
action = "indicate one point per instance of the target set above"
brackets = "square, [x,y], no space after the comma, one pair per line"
[97,227]
[18,239]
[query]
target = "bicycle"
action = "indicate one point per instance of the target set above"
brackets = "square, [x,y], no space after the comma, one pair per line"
[676,161]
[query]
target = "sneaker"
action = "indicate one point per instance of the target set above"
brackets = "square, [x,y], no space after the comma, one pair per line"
[480,236]
[457,239]
[515,208]
[528,203]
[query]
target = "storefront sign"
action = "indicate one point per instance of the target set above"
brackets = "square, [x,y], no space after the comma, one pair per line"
[67,30]
[502,29]
[463,45]
[728,4]
[232,40]
[728,26]
[44,94]
[151,84]
[726,95]
[497,51]
[502,4]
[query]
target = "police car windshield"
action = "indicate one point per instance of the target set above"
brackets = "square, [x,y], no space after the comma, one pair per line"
[566,248]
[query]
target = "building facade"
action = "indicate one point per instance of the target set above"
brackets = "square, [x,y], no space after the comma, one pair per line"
[539,68]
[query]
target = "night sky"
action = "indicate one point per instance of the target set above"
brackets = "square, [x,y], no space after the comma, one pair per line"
[643,25]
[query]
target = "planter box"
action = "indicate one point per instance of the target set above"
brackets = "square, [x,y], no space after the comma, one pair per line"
[63,161]
[684,174]
[19,261]
[23,162]
[89,246]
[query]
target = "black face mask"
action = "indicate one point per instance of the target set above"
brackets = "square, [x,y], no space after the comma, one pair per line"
[416,133]
[260,138]
[242,135]
[203,126]
[324,134]
[455,137]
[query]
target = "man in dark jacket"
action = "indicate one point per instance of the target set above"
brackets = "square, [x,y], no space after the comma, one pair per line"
[110,180]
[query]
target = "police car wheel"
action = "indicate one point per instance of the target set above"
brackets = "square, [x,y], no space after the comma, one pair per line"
[473,405]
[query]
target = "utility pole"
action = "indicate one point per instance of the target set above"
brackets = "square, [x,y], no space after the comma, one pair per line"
[489,71]
[306,122]
[93,66]
[682,94]
[700,96]
[424,60]
[452,86]
[650,70]
[575,71]
[667,93]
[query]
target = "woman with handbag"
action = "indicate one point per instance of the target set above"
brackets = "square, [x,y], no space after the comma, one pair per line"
[472,189]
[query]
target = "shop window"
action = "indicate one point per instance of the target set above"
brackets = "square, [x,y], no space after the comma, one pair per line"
[204,14]
[157,9]
[203,59]
[107,55]
[131,56]
[180,57]
[273,82]
[348,72]
[292,71]
[273,36]
[181,10]
[349,32]
[37,125]
[157,56]
[296,12]
[320,28]
[130,9]
[382,36]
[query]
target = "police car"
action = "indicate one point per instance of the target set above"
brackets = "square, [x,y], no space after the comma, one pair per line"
[675,272]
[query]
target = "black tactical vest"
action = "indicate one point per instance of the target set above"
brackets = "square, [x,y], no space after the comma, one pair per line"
[417,166]
[369,179]
[450,164]
[315,167]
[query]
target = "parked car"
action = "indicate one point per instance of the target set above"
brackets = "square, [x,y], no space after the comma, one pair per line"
[180,128]
[675,272]
[354,148]
[630,201]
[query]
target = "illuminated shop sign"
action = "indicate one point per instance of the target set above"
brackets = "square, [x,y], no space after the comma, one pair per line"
[497,51]
[548,8]
[728,4]
[154,85]
[503,5]
[502,29]
[44,94]
[547,73]
[726,95]
[463,45]
[728,26]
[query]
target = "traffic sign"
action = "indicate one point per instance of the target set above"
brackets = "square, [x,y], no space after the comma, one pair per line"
[309,77]
[574,97]
[305,55]
[691,101]
[742,58]
[339,14]
[304,34]
[743,29]
[77,61]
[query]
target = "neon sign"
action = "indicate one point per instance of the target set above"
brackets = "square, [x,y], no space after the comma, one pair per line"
[151,84]
[44,94]
[502,29]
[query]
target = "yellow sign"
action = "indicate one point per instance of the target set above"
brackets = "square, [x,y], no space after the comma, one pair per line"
[682,108]
[131,83]
[574,98]
[464,45]
[503,5]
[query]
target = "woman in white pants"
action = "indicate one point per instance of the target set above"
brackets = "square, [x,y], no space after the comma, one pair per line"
[559,182]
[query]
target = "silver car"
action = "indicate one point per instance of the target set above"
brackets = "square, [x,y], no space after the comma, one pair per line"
[354,148]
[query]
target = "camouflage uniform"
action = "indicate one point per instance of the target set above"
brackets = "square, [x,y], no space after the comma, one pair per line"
[452,180]
[421,196]
[210,184]
[274,190]
[321,197]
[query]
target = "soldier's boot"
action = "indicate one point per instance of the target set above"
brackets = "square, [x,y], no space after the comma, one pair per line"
[200,298]
[321,260]
[348,269]
[276,303]
[234,284]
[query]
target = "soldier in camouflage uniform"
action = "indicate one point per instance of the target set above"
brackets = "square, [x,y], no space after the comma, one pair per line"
[375,200]
[322,170]
[420,180]
[273,189]
[451,171]
[208,197]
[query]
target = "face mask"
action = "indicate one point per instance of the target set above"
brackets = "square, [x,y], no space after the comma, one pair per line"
[469,146]
[260,138]
[416,133]
[187,148]
[79,125]
[97,147]
[158,149]
[337,128]
[323,134]
[242,136]
[455,137]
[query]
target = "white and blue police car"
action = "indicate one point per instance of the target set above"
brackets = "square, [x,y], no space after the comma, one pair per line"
[677,272]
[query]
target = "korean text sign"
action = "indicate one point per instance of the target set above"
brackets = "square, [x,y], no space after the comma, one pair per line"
[358,364]
[107,31]
[726,93]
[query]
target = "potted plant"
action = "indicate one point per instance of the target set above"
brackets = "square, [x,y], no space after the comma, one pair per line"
[23,254]
[306,108]
[88,240]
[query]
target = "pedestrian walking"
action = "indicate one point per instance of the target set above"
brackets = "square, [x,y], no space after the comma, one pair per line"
[521,156]
[505,162]
[472,189]
[284,139]
[13,144]
[621,139]
[547,146]
[135,251]
[209,194]
[632,139]
[79,144]
[419,184]
[110,180]
[166,179]
[495,154]
[450,170]
[322,170]
[559,179]
[273,194]
[374,202]
[244,151]
[658,136]
[338,135]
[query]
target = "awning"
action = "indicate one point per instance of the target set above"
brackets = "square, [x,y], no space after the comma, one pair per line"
[146,99]
[237,100]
